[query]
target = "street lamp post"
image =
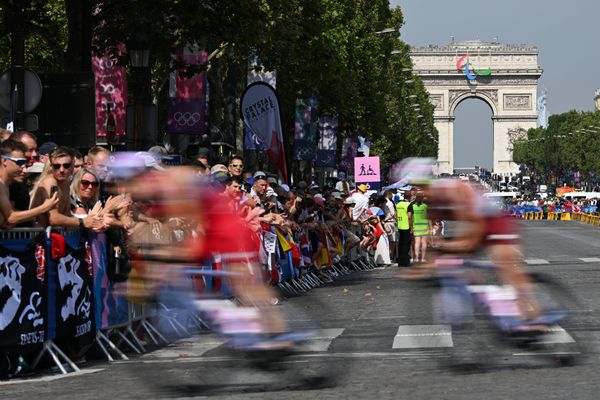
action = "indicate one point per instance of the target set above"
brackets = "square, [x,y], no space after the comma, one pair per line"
[139,50]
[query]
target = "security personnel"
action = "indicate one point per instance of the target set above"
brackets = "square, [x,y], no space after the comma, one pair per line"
[404,238]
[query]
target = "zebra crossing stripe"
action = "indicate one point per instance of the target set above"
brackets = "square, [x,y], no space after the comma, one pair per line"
[423,336]
[536,261]
[590,259]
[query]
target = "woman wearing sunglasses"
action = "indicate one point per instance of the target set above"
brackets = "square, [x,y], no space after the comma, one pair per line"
[84,192]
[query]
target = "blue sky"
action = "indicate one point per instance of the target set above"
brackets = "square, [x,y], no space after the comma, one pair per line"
[565,32]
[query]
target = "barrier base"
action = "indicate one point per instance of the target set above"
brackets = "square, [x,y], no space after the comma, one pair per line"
[56,354]
[102,340]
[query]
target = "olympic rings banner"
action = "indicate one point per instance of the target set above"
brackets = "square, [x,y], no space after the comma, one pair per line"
[187,95]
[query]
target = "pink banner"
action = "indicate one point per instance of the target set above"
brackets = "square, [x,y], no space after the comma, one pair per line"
[111,97]
[366,169]
[187,96]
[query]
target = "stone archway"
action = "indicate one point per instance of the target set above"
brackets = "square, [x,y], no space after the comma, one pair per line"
[507,82]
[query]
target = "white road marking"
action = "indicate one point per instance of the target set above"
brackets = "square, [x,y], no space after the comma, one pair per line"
[322,339]
[423,336]
[536,261]
[590,259]
[51,378]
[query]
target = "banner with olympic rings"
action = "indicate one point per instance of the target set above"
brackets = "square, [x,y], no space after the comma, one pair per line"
[187,95]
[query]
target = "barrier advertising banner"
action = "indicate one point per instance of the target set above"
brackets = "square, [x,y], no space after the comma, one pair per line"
[22,295]
[74,300]
[261,115]
[110,304]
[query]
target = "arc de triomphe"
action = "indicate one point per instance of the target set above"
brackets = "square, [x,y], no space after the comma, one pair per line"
[503,76]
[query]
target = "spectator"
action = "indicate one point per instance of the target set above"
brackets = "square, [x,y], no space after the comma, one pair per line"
[61,161]
[361,201]
[342,185]
[12,169]
[30,142]
[97,161]
[236,165]
[78,164]
[84,192]
[45,150]
[19,191]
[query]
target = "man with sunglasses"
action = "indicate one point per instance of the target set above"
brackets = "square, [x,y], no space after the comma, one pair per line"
[19,191]
[13,167]
[61,162]
[236,166]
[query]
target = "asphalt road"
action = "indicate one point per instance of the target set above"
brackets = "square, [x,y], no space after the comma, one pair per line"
[379,337]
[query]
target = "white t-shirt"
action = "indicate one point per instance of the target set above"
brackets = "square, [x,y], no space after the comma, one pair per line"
[362,203]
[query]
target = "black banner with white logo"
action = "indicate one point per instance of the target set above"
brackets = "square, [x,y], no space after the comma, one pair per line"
[23,294]
[74,307]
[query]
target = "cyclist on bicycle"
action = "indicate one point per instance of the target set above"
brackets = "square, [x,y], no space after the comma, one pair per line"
[480,225]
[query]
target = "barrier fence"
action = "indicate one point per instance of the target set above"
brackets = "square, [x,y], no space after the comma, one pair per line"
[58,289]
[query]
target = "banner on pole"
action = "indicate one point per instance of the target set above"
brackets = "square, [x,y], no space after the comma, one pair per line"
[306,129]
[261,115]
[187,95]
[111,98]
[327,146]
[256,73]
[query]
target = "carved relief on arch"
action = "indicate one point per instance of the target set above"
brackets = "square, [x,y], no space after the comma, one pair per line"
[490,95]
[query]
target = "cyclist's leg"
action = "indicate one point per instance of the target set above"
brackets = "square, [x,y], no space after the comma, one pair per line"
[250,289]
[511,271]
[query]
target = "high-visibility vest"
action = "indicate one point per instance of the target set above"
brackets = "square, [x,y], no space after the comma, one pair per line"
[402,212]
[420,220]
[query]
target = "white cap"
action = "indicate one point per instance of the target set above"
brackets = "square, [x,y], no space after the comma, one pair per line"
[149,160]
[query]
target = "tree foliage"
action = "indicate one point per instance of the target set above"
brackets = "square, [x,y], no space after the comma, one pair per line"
[328,48]
[567,144]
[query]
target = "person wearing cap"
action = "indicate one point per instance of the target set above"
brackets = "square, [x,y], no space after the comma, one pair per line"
[236,166]
[160,153]
[313,188]
[45,149]
[203,155]
[259,188]
[362,201]
[150,161]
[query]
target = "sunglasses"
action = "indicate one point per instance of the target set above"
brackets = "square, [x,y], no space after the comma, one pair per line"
[236,165]
[86,183]
[21,162]
[65,165]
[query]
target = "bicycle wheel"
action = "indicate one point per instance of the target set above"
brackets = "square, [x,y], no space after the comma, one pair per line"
[206,365]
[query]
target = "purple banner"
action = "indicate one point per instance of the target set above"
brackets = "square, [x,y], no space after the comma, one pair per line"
[185,116]
[327,146]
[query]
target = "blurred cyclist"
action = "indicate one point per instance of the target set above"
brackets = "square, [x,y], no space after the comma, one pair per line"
[480,224]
